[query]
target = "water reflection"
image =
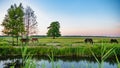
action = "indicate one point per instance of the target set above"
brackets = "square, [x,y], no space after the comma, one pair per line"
[63,62]
[16,64]
[78,59]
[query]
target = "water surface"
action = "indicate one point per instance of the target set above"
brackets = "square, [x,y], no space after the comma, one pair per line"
[70,62]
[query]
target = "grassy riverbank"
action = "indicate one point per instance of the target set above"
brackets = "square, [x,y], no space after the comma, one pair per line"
[64,47]
[60,51]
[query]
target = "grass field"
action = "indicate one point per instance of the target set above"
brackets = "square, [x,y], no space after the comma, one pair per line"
[63,46]
[73,40]
[61,41]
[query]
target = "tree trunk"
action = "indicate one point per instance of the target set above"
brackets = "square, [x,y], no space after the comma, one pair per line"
[28,25]
[17,40]
[12,40]
[53,37]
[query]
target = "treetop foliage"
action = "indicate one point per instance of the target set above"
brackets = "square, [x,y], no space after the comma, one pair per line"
[54,29]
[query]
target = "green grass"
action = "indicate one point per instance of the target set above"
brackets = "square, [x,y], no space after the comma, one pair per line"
[104,54]
[75,39]
[61,41]
[63,46]
[61,50]
[27,58]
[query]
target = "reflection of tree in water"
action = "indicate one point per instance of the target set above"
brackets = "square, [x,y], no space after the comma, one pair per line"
[111,61]
[15,64]
[17,61]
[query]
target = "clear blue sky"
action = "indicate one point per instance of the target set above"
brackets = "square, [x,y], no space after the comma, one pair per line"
[77,17]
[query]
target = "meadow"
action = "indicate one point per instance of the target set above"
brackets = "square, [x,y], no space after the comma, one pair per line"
[62,46]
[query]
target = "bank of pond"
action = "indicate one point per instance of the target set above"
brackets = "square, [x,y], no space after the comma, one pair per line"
[61,51]
[54,55]
[72,52]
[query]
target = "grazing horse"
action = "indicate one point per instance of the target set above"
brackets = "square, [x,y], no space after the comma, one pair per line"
[34,39]
[88,40]
[24,40]
[113,41]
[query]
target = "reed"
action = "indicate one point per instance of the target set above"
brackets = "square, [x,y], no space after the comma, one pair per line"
[52,59]
[27,58]
[105,53]
[118,62]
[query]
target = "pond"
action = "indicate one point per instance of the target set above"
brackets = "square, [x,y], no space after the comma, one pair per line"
[65,62]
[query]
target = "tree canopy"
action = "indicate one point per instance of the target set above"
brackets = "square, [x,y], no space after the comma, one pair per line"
[30,21]
[53,30]
[13,22]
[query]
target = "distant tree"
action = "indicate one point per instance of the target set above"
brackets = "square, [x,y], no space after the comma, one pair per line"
[30,21]
[54,30]
[13,22]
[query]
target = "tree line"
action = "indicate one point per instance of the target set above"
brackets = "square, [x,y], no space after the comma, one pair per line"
[20,21]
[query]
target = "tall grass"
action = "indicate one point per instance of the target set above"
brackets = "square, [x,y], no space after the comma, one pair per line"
[102,51]
[99,50]
[27,58]
[52,60]
[118,62]
[104,54]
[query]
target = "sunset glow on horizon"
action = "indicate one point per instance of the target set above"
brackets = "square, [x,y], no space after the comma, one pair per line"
[76,17]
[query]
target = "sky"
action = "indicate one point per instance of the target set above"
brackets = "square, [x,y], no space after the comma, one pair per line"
[76,17]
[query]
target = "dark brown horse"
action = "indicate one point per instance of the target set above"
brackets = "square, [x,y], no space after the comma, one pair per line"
[113,41]
[24,40]
[34,39]
[88,40]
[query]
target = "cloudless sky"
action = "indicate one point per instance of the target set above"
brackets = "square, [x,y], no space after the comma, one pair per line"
[76,17]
